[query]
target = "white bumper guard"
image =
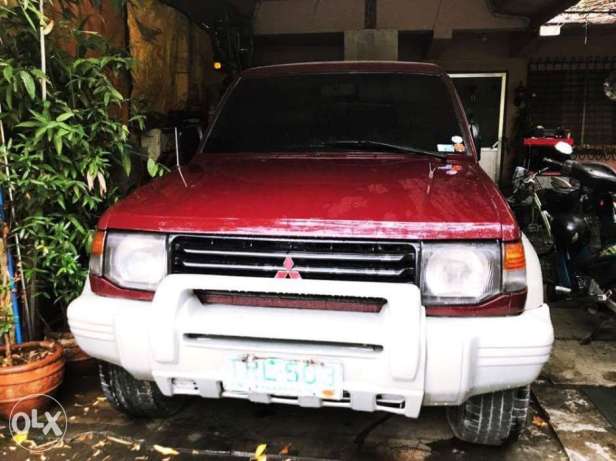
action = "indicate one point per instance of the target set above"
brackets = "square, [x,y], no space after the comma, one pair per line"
[396,360]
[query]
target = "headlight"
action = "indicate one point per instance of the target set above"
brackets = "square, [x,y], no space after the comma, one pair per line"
[135,260]
[460,273]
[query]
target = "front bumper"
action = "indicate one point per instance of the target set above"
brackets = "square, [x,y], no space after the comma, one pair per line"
[396,360]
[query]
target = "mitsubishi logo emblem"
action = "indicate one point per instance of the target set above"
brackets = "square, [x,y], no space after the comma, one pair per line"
[288,265]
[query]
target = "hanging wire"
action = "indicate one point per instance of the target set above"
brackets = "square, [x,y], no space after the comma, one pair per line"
[177,156]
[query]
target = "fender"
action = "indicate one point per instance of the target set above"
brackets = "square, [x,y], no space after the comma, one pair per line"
[534,277]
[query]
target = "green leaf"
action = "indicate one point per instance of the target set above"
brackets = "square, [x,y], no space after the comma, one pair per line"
[28,82]
[9,98]
[152,167]
[116,94]
[7,72]
[57,141]
[40,117]
[39,134]
[65,116]
[25,6]
[28,124]
[126,164]
[76,223]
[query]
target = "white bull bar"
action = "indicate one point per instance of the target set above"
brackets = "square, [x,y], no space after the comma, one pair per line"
[399,328]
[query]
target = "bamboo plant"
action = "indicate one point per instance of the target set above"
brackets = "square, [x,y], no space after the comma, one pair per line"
[67,152]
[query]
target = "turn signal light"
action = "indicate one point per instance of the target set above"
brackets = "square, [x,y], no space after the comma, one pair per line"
[514,258]
[514,267]
[96,253]
[98,243]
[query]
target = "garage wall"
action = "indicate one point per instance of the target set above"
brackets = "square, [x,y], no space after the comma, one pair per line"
[308,16]
[173,58]
[287,48]
[108,19]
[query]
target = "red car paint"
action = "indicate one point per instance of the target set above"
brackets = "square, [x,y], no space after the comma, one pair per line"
[341,195]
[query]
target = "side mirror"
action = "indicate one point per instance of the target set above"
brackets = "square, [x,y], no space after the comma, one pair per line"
[476,138]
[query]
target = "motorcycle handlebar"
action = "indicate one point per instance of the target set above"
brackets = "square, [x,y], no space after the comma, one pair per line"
[553,162]
[569,167]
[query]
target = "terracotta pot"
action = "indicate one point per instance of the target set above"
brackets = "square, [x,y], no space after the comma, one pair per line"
[39,377]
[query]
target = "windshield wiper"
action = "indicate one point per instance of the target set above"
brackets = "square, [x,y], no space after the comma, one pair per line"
[370,144]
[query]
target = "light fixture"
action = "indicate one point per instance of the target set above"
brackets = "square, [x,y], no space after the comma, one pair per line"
[551,30]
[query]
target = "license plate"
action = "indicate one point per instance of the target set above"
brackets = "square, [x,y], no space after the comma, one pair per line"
[295,378]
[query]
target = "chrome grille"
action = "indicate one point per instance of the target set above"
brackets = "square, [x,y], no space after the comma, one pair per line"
[379,261]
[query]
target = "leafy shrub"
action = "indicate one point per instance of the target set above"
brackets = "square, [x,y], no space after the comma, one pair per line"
[66,154]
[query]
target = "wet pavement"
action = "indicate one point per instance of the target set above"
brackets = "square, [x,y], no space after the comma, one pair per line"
[565,423]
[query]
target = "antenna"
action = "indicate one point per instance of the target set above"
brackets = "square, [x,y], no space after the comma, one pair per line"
[177,156]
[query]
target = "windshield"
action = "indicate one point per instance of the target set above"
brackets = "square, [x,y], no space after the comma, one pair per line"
[330,111]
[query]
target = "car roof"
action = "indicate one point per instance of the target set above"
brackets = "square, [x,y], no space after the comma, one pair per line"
[344,66]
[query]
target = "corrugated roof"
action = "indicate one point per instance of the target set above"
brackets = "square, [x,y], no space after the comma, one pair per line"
[591,11]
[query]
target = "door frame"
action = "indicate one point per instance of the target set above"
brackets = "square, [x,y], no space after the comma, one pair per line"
[502,109]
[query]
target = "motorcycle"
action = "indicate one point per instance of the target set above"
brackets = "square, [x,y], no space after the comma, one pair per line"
[569,211]
[526,202]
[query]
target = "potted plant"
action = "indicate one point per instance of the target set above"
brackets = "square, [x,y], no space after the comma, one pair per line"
[26,370]
[29,370]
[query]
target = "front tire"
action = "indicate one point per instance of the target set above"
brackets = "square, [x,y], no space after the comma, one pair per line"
[491,419]
[134,397]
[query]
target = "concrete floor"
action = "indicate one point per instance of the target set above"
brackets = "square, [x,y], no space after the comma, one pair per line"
[565,422]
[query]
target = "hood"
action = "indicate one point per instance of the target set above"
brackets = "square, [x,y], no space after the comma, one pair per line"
[334,195]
